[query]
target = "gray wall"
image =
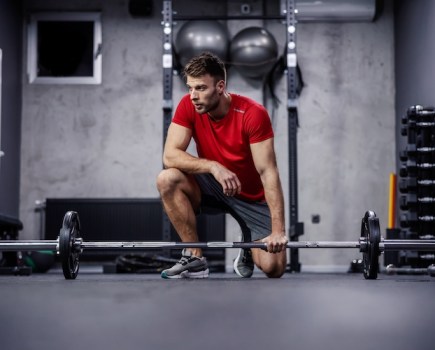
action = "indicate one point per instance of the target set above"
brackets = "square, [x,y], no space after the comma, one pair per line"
[414,57]
[11,26]
[106,140]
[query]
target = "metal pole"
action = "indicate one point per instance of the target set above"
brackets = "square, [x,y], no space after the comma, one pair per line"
[397,244]
[226,18]
[167,58]
[15,245]
[295,228]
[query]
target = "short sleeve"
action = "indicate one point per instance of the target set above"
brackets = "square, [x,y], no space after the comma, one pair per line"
[257,124]
[184,115]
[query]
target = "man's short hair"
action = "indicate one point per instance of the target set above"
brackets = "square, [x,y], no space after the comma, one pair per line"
[206,63]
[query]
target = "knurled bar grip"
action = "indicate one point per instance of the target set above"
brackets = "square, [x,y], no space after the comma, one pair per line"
[139,245]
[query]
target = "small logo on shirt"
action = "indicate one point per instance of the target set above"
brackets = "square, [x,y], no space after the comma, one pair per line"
[239,110]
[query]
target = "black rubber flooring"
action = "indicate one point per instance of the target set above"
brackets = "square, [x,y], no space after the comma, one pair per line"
[299,311]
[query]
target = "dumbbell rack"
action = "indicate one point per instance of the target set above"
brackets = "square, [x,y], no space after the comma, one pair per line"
[417,183]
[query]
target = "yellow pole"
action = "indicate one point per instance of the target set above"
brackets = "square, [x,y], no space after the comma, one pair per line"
[392,201]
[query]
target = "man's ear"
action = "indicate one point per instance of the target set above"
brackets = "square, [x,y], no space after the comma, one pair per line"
[221,86]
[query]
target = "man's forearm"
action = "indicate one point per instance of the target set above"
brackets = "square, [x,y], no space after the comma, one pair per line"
[186,162]
[275,199]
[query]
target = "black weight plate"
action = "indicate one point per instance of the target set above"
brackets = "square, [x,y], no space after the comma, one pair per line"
[375,238]
[370,231]
[69,255]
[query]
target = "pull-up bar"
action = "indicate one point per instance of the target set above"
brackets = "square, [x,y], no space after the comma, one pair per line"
[308,11]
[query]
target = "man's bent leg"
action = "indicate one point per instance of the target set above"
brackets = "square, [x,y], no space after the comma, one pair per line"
[272,264]
[180,196]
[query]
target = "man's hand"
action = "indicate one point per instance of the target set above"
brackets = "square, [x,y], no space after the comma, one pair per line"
[229,181]
[276,242]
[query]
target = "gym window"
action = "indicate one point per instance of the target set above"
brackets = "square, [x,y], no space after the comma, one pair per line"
[64,48]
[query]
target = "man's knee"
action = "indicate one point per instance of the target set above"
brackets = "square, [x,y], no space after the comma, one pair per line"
[168,179]
[273,265]
[276,271]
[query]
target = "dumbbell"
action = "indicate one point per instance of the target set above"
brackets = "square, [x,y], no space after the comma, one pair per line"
[411,167]
[411,218]
[410,184]
[411,150]
[411,200]
[391,270]
[417,111]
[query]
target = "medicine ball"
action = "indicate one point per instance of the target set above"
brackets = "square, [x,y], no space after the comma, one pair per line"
[253,52]
[39,261]
[195,37]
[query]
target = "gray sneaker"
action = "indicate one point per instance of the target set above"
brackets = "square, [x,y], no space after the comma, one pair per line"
[244,265]
[188,267]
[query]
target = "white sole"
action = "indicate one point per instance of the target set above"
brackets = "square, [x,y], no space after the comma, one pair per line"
[236,261]
[199,274]
[187,274]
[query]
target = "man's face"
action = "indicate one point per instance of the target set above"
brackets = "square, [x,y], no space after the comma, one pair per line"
[204,92]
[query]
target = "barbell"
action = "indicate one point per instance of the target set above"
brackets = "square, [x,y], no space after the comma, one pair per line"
[69,245]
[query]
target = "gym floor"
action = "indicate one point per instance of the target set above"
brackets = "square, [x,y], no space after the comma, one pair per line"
[143,311]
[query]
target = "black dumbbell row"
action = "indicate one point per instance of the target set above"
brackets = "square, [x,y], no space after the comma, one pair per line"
[417,181]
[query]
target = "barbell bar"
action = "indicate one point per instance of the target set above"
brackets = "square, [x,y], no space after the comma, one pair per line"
[79,244]
[52,245]
[70,245]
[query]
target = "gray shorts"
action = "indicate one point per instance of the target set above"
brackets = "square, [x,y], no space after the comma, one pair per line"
[253,217]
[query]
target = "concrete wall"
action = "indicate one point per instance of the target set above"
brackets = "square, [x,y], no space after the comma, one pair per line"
[414,53]
[96,140]
[11,25]
[106,140]
[347,147]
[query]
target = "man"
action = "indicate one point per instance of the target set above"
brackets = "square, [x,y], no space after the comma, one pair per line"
[235,171]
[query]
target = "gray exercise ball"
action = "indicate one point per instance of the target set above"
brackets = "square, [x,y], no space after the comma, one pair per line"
[253,52]
[195,37]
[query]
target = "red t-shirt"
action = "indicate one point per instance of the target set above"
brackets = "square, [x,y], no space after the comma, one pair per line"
[227,141]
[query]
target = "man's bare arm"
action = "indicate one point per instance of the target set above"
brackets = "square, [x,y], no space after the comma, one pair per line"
[175,156]
[265,162]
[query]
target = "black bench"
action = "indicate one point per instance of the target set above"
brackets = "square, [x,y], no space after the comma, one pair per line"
[11,263]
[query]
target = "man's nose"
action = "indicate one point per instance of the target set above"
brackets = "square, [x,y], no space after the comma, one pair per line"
[193,95]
